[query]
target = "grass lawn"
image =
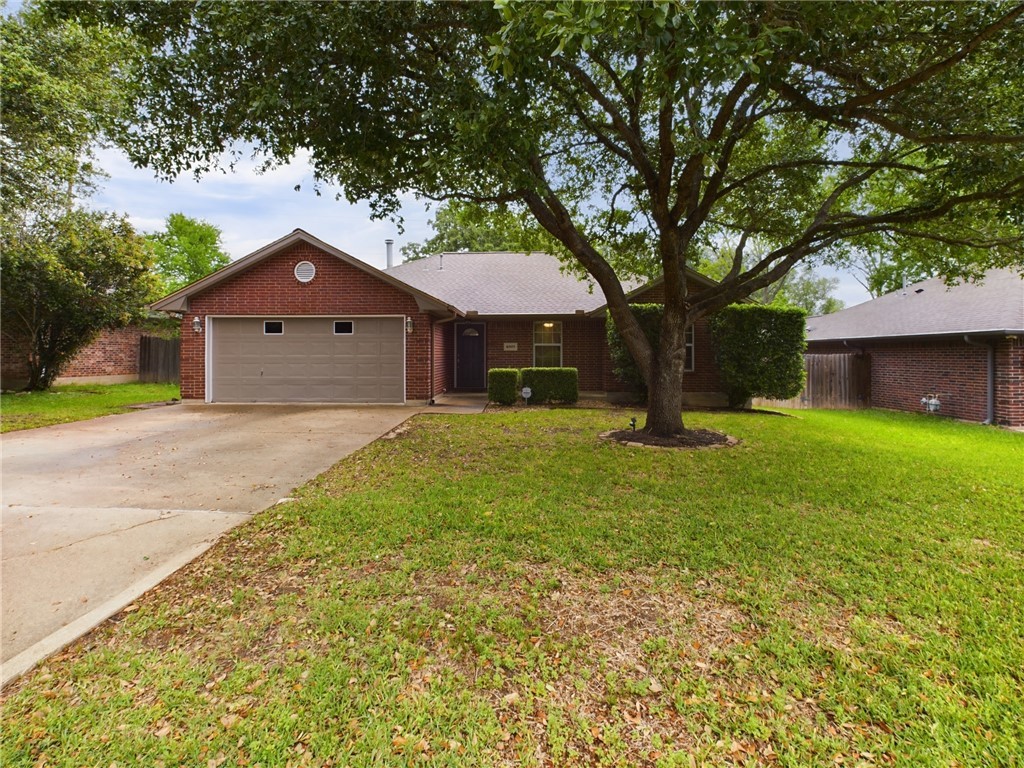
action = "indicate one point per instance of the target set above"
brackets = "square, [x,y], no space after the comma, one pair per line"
[76,402]
[506,589]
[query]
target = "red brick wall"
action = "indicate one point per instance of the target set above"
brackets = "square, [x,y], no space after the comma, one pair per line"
[444,357]
[270,288]
[13,361]
[902,372]
[113,353]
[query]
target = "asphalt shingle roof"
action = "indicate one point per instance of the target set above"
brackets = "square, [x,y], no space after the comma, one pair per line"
[501,283]
[930,308]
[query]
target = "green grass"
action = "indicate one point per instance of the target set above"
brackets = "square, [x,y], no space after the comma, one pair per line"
[76,402]
[842,588]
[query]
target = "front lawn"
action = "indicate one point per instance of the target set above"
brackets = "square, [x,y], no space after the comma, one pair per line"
[840,589]
[76,402]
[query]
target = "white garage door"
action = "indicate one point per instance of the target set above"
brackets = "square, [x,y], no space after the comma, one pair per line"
[307,359]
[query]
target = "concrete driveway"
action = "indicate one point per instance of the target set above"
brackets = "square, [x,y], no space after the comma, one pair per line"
[97,512]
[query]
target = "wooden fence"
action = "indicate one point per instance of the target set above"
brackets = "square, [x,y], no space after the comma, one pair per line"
[840,381]
[159,359]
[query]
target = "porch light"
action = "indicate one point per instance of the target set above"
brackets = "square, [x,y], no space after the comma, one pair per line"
[408,324]
[549,325]
[197,324]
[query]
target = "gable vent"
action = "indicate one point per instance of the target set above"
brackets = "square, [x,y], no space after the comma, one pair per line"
[305,271]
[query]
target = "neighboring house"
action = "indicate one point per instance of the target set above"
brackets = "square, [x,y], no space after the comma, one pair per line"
[301,321]
[111,358]
[962,345]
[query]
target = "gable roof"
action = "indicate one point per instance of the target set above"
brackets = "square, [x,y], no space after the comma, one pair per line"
[502,283]
[178,301]
[930,308]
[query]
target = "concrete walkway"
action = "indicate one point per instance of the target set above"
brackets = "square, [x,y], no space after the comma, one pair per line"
[97,512]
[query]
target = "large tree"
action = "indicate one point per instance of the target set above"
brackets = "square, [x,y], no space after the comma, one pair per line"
[184,251]
[468,226]
[637,134]
[64,280]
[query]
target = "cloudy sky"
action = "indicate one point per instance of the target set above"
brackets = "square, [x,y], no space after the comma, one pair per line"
[252,209]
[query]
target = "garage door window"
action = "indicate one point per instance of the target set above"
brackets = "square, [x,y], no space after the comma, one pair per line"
[273,327]
[344,327]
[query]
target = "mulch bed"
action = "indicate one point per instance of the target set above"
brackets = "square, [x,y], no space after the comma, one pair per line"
[690,439]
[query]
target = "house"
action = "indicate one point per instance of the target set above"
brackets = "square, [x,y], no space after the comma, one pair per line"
[962,345]
[302,321]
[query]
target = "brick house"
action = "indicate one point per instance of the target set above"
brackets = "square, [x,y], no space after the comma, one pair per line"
[111,358]
[963,344]
[301,321]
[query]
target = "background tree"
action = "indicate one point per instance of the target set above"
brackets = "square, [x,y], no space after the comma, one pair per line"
[185,251]
[637,134]
[59,91]
[66,279]
[800,287]
[468,226]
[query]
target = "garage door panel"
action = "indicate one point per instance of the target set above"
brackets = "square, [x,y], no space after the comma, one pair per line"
[308,362]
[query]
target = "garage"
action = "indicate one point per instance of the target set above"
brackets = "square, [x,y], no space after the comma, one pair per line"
[306,359]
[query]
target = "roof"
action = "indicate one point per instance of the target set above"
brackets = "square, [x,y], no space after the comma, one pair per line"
[502,283]
[178,301]
[994,305]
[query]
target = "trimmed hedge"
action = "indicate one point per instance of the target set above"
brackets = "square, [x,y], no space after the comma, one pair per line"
[503,385]
[760,351]
[649,317]
[552,385]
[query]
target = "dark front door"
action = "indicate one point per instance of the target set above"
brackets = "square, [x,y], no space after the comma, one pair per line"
[470,357]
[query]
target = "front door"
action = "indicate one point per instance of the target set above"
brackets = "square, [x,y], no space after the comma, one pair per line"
[470,356]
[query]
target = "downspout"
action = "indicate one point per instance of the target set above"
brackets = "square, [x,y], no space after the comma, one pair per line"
[991,388]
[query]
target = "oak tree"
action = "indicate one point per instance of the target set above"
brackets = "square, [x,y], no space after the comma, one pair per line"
[638,135]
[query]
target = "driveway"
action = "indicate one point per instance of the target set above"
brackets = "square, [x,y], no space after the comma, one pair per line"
[97,512]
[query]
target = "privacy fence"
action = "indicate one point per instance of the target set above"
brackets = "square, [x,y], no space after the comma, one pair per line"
[159,359]
[841,381]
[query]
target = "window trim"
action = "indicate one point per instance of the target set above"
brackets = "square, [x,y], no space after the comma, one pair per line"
[271,333]
[690,349]
[334,326]
[560,344]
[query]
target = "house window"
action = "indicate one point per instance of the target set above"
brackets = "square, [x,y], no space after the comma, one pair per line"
[547,344]
[689,348]
[273,327]
[344,327]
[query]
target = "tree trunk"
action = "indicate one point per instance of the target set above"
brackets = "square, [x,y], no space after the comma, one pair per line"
[665,386]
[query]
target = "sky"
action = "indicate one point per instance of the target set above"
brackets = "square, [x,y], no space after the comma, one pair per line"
[252,209]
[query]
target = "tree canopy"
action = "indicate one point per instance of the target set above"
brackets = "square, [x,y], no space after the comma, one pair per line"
[469,226]
[184,251]
[638,135]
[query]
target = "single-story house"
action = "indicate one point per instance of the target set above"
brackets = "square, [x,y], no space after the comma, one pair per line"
[961,345]
[302,321]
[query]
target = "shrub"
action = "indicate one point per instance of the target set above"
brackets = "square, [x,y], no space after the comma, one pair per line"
[552,385]
[649,317]
[760,351]
[503,385]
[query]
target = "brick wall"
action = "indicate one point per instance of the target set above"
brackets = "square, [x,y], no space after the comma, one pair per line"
[270,288]
[112,353]
[14,352]
[902,372]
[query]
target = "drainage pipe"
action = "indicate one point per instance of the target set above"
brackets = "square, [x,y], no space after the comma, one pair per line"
[991,388]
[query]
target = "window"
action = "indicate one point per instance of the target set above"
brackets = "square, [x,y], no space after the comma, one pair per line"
[688,339]
[547,344]
[273,327]
[344,327]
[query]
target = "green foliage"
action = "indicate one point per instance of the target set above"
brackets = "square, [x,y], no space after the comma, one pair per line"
[503,385]
[188,249]
[552,385]
[638,134]
[59,91]
[464,226]
[759,351]
[67,279]
[649,316]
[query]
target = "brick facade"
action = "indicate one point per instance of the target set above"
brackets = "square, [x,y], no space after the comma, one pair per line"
[904,371]
[113,353]
[270,288]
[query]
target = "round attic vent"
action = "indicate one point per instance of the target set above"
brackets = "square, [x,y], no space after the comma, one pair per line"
[305,271]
